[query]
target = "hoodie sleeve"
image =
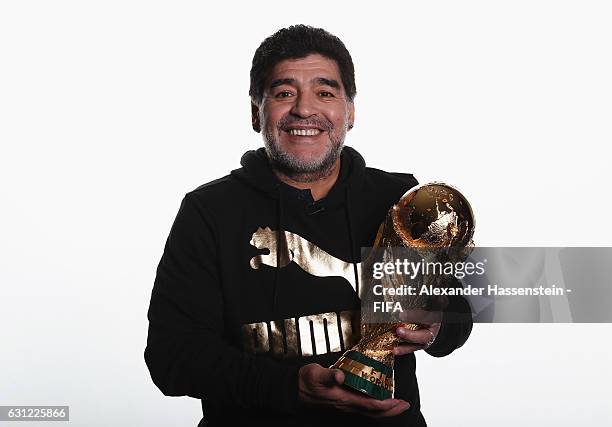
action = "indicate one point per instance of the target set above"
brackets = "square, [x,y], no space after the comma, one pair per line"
[456,325]
[186,352]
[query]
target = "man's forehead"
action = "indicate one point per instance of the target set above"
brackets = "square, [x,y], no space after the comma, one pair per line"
[310,67]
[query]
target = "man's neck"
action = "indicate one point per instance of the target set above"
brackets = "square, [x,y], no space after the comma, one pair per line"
[318,188]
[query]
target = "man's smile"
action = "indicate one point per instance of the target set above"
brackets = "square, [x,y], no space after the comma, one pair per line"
[304,132]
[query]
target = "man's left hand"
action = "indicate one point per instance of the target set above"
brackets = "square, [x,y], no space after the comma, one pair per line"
[429,325]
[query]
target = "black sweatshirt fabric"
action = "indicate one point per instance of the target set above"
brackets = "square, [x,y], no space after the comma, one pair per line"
[208,287]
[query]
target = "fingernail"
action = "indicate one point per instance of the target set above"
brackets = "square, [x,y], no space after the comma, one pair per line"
[401,331]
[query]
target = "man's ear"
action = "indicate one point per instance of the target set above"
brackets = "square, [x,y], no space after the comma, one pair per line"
[351,115]
[255,117]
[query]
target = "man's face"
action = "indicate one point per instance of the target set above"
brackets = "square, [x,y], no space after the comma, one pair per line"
[304,115]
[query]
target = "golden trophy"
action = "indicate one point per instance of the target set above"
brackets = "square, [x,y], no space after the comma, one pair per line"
[436,223]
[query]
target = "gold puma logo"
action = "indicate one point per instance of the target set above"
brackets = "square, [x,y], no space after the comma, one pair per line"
[303,336]
[295,248]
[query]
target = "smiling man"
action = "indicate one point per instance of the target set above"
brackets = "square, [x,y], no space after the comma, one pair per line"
[306,113]
[257,292]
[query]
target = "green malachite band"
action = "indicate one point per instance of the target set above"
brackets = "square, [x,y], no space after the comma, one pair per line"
[366,375]
[365,386]
[361,358]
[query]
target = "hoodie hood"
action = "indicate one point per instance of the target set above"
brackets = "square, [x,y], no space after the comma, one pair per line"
[257,173]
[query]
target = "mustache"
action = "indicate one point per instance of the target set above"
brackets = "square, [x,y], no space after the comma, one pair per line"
[290,120]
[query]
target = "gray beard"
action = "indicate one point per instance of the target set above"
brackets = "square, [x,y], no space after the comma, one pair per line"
[298,170]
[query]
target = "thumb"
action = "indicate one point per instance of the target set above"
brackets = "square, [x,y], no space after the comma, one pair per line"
[331,377]
[337,376]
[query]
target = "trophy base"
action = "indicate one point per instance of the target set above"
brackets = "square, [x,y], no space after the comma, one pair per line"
[366,375]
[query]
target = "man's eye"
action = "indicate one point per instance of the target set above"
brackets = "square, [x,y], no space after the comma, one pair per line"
[283,94]
[326,94]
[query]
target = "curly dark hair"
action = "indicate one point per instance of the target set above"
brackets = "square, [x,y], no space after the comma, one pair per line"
[298,41]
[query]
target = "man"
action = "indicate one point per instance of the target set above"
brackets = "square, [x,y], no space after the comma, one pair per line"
[256,294]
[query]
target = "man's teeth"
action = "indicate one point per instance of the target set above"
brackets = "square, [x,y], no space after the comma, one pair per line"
[305,132]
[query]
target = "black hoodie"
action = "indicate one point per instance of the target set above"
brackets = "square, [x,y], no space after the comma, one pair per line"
[229,327]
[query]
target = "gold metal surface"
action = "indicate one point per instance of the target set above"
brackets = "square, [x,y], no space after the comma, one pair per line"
[433,215]
[430,216]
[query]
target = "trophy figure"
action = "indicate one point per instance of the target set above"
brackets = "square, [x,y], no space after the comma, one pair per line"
[435,223]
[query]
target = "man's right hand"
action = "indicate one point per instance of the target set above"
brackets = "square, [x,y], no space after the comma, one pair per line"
[319,386]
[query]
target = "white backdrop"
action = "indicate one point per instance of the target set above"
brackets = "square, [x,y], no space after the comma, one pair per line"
[111,110]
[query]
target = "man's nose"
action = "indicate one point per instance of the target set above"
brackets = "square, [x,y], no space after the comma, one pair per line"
[304,105]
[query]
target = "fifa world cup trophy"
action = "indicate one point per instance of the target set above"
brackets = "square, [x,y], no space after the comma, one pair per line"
[433,222]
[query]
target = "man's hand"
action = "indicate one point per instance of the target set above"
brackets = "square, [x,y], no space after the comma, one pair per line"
[322,387]
[422,338]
